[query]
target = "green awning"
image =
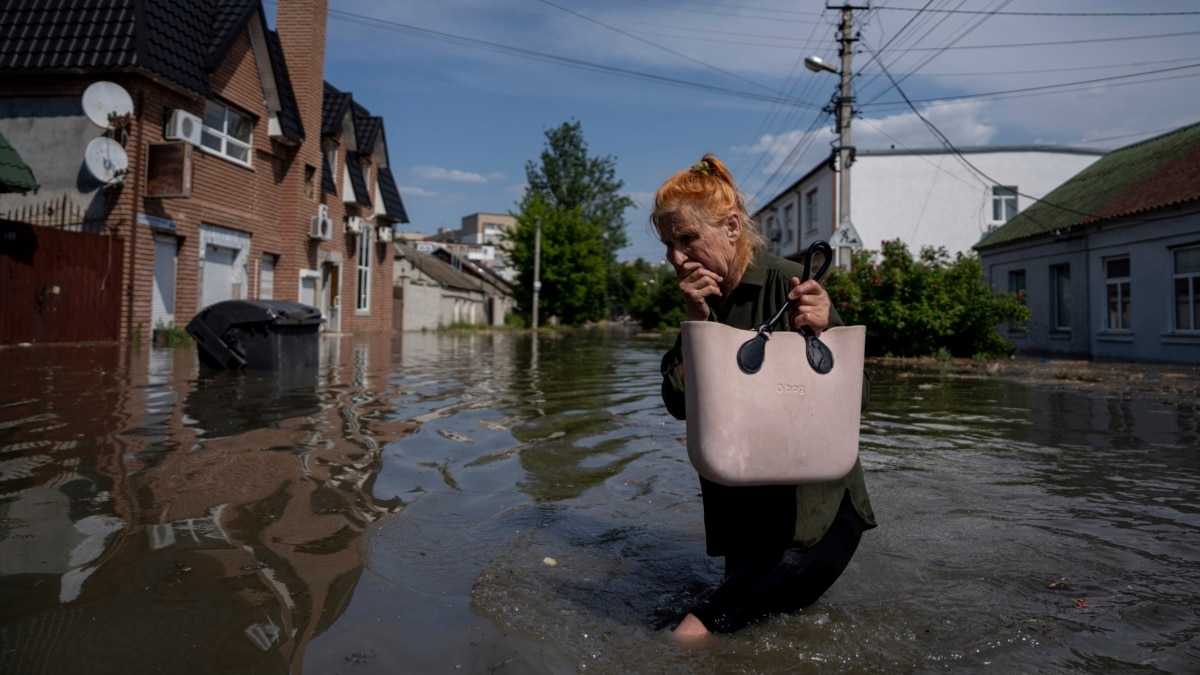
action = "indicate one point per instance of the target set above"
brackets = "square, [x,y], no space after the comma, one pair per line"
[15,174]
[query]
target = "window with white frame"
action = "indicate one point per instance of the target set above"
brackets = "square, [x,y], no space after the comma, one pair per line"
[1060,305]
[1116,280]
[1187,288]
[1004,203]
[772,229]
[227,132]
[331,158]
[362,301]
[1016,286]
[789,222]
[812,210]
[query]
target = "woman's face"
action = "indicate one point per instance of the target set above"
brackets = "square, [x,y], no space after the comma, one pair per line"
[712,246]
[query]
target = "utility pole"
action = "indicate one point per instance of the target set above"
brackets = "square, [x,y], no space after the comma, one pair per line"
[537,271]
[844,237]
[844,112]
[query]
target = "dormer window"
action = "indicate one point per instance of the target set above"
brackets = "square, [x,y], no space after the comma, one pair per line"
[227,132]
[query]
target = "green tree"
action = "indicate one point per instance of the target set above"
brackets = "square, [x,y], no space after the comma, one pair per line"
[573,265]
[566,177]
[917,307]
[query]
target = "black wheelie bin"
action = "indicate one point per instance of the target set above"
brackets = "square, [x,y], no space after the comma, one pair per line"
[257,335]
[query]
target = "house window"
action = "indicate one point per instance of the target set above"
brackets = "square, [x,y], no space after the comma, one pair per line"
[812,210]
[1187,289]
[227,132]
[266,281]
[1016,286]
[362,301]
[789,222]
[1060,305]
[1116,275]
[1004,203]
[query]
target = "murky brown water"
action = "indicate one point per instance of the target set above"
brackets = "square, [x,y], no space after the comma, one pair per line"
[394,512]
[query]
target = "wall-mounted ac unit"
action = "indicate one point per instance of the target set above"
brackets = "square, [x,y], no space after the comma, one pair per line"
[383,234]
[354,224]
[322,226]
[183,126]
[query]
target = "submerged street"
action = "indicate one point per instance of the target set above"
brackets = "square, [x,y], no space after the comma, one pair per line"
[509,503]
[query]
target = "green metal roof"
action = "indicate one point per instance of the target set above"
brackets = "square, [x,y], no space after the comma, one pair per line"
[1151,174]
[15,175]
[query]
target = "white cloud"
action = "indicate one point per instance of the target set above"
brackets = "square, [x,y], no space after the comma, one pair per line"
[439,173]
[796,152]
[416,192]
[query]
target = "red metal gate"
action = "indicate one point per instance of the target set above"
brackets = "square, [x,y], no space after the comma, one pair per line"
[57,285]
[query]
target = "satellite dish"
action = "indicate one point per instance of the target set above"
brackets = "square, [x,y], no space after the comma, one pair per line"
[102,101]
[106,160]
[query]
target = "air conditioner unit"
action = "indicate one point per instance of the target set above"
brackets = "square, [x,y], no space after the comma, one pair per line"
[354,224]
[183,126]
[322,226]
[383,234]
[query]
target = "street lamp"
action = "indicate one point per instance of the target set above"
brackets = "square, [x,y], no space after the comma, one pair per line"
[817,64]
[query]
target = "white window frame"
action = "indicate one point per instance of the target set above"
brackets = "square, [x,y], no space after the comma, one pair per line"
[1060,298]
[1190,279]
[362,295]
[1004,203]
[222,135]
[789,221]
[1117,288]
[812,209]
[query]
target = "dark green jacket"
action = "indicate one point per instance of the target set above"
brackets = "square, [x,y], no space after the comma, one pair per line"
[770,517]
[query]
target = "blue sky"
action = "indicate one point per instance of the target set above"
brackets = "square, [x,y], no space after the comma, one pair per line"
[660,82]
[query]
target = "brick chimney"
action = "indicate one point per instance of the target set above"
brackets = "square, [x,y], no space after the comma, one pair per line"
[301,25]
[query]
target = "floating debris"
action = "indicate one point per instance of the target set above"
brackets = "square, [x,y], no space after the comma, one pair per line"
[550,561]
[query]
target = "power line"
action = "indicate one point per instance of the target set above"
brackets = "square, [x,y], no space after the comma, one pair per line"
[1074,14]
[545,57]
[1056,43]
[657,46]
[1013,93]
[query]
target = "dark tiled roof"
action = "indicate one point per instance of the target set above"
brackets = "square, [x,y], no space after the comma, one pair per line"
[15,175]
[439,270]
[333,110]
[391,196]
[1159,172]
[328,184]
[289,114]
[358,180]
[366,128]
[180,41]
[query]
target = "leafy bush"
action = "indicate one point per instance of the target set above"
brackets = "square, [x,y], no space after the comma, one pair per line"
[923,306]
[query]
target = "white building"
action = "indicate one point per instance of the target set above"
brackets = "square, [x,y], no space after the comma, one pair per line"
[921,197]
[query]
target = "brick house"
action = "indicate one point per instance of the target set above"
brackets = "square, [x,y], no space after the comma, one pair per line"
[233,175]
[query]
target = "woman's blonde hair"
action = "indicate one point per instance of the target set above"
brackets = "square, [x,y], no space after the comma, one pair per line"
[706,193]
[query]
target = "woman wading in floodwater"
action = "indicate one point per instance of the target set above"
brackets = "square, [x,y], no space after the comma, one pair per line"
[784,545]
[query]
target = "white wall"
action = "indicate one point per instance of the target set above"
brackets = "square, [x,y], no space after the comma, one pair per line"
[936,200]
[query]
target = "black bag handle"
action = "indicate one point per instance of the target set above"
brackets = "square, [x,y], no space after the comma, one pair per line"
[751,354]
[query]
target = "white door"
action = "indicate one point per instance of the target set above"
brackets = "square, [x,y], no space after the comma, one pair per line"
[331,292]
[162,306]
[218,275]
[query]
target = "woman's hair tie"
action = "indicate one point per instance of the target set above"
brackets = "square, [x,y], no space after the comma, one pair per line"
[702,167]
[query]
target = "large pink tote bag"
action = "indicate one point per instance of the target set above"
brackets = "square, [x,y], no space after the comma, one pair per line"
[766,408]
[786,423]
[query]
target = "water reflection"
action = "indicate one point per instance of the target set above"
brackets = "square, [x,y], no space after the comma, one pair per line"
[496,502]
[216,535]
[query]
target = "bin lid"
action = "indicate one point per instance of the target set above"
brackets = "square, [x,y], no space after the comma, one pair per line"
[230,312]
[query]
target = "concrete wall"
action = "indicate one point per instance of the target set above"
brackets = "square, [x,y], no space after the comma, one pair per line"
[1149,240]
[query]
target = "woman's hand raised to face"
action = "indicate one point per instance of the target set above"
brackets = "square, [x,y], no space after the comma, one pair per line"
[697,283]
[812,310]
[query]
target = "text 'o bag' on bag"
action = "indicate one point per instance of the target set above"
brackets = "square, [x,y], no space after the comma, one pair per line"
[773,409]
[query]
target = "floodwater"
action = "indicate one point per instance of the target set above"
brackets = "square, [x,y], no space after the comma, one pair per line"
[500,503]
